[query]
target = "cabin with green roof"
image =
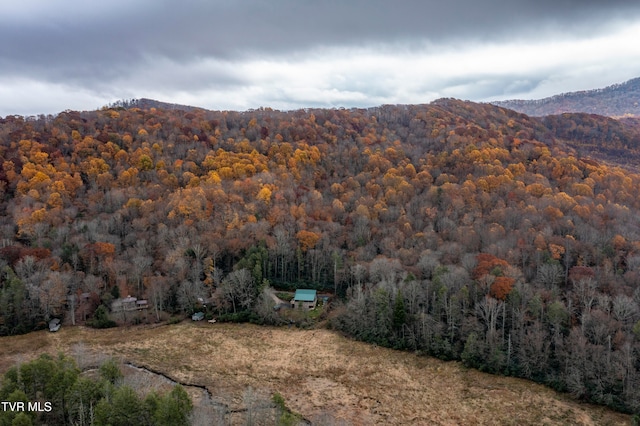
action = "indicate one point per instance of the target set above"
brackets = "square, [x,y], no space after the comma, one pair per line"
[306,299]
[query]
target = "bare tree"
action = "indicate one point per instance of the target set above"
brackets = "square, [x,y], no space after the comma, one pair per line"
[197,254]
[428,263]
[359,273]
[636,296]
[361,230]
[72,303]
[265,305]
[158,287]
[533,350]
[239,290]
[93,284]
[585,290]
[383,269]
[469,261]
[71,284]
[455,278]
[188,294]
[604,302]
[139,267]
[283,250]
[633,263]
[488,310]
[624,309]
[52,293]
[30,270]
[550,275]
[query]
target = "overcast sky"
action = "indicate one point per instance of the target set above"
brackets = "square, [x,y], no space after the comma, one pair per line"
[288,54]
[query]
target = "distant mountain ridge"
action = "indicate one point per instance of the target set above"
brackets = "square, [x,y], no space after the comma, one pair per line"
[618,100]
[145,103]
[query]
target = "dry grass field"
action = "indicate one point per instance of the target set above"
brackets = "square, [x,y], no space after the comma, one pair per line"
[321,375]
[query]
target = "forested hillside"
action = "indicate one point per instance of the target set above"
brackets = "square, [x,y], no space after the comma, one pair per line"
[618,100]
[465,231]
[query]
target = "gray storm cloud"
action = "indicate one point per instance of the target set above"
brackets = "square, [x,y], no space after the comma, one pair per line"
[118,47]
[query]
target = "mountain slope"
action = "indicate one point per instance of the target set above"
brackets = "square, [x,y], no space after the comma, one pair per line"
[617,100]
[462,230]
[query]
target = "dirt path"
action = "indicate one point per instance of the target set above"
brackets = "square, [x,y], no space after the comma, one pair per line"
[275,298]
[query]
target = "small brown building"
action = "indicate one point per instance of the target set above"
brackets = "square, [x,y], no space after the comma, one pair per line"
[306,299]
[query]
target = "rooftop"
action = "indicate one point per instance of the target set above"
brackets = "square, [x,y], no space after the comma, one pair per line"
[304,295]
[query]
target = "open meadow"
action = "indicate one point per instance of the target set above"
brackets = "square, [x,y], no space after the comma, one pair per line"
[323,376]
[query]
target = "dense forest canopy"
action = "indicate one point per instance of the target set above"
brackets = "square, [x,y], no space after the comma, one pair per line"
[463,230]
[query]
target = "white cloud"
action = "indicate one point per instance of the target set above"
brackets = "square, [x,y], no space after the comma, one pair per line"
[30,97]
[365,75]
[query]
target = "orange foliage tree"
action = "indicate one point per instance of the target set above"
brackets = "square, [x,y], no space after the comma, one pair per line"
[488,264]
[501,287]
[307,239]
